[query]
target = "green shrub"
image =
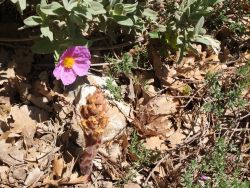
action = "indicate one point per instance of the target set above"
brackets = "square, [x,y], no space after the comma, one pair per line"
[184,25]
[228,94]
[211,171]
[66,23]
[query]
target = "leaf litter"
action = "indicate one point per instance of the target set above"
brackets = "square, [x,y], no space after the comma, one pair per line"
[41,139]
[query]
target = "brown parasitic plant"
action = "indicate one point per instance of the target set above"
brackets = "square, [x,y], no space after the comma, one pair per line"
[93,123]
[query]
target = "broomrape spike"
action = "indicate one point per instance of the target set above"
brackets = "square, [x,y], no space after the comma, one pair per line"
[94,122]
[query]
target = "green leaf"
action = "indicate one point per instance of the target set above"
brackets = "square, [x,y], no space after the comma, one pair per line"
[39,12]
[123,20]
[69,5]
[46,32]
[82,11]
[149,13]
[207,40]
[129,8]
[32,21]
[75,18]
[54,9]
[22,5]
[43,46]
[81,41]
[96,8]
[199,25]
[154,35]
[118,9]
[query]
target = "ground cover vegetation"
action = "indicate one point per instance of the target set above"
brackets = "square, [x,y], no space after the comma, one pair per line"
[125,93]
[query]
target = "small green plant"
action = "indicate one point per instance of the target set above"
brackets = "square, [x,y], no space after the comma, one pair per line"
[141,57]
[130,175]
[227,95]
[220,16]
[185,26]
[143,155]
[210,172]
[114,89]
[188,176]
[123,65]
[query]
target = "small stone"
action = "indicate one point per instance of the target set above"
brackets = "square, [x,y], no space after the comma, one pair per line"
[197,129]
[132,185]
[19,174]
[11,180]
[107,184]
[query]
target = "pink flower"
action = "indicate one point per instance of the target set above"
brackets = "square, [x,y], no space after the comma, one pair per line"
[75,61]
[203,177]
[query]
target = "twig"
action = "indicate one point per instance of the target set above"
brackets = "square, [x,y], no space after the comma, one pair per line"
[194,96]
[30,38]
[116,46]
[241,118]
[164,158]
[100,64]
[199,98]
[238,129]
[156,166]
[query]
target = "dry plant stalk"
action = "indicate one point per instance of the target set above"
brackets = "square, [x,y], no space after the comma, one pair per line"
[93,123]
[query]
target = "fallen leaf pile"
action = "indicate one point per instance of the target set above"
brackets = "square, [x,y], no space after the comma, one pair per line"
[81,136]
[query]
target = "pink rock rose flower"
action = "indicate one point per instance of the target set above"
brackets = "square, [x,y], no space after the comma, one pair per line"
[75,61]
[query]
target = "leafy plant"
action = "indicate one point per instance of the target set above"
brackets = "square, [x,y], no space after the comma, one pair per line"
[65,23]
[123,65]
[185,26]
[188,176]
[21,5]
[143,155]
[227,95]
[210,172]
[220,17]
[114,89]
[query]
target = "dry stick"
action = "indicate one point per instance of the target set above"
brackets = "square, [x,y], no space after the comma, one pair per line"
[5,39]
[116,46]
[183,96]
[157,185]
[241,118]
[158,164]
[238,129]
[100,64]
[194,96]
[164,158]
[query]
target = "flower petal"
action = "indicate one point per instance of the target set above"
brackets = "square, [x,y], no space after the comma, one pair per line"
[67,76]
[81,69]
[57,71]
[67,53]
[81,51]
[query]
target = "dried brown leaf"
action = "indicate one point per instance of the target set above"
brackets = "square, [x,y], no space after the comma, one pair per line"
[33,176]
[154,118]
[22,60]
[5,107]
[176,138]
[19,173]
[5,75]
[12,155]
[132,185]
[58,165]
[4,171]
[23,123]
[155,142]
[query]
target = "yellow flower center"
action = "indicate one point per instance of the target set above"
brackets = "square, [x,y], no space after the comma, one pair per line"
[68,62]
